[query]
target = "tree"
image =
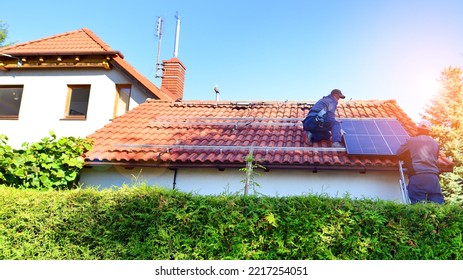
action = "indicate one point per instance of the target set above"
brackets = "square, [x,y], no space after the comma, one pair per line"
[3,34]
[446,114]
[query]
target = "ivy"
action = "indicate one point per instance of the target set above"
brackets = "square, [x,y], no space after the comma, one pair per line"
[51,163]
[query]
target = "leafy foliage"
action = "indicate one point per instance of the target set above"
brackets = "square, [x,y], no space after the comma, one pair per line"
[3,34]
[446,115]
[48,164]
[250,173]
[143,222]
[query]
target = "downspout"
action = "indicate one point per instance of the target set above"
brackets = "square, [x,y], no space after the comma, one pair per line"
[175,179]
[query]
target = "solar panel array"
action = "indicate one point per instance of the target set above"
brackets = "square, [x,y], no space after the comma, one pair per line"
[373,136]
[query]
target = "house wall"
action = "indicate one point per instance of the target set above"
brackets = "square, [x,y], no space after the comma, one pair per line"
[372,184]
[44,100]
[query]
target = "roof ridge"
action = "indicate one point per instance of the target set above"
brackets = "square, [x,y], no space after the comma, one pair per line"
[370,101]
[268,102]
[153,100]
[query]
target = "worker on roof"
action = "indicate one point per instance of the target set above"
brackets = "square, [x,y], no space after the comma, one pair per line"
[321,124]
[420,155]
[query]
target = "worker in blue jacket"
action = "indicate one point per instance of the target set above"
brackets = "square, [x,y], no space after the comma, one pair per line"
[420,155]
[321,124]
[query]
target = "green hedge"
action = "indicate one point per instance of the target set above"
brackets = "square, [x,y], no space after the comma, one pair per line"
[152,223]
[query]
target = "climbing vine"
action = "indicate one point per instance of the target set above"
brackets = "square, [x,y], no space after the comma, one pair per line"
[51,163]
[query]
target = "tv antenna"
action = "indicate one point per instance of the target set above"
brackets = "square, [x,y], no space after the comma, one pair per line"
[159,35]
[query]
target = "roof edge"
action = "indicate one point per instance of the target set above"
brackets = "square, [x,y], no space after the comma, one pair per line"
[313,168]
[100,42]
[107,49]
[150,86]
[236,166]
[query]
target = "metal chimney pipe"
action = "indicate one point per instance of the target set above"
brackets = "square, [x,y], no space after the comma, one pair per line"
[177,35]
[217,93]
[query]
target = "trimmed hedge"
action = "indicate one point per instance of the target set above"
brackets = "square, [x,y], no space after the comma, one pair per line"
[151,223]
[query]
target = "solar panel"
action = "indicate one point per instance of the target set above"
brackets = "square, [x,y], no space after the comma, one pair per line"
[373,136]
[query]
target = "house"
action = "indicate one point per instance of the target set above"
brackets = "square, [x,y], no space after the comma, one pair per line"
[73,84]
[200,147]
[76,85]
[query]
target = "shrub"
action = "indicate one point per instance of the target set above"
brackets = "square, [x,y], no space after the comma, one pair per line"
[151,223]
[48,164]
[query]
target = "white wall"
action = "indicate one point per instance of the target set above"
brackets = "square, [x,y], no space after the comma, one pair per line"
[373,184]
[44,100]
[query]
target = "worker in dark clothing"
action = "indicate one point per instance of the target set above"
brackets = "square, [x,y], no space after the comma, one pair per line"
[321,124]
[420,155]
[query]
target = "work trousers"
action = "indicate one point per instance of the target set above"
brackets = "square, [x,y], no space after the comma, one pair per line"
[425,187]
[323,131]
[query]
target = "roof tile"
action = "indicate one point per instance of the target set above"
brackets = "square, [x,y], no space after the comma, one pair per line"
[220,134]
[75,42]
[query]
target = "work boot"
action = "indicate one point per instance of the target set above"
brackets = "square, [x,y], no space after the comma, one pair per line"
[308,139]
[337,145]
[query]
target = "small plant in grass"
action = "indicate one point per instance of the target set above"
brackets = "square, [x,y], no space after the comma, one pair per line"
[250,173]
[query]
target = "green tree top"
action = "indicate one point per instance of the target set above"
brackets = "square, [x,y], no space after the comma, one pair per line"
[3,34]
[446,114]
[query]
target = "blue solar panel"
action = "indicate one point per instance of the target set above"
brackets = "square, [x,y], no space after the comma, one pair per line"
[373,136]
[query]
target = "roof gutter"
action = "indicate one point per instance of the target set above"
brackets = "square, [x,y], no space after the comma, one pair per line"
[313,168]
[66,53]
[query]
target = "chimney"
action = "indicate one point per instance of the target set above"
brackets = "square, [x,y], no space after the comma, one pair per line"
[173,78]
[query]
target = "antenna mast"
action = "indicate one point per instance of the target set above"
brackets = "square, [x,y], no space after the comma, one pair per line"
[159,35]
[177,35]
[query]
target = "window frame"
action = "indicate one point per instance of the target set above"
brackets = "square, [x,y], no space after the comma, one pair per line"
[67,115]
[13,87]
[119,88]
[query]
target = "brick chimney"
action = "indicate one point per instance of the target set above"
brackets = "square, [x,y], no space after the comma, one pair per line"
[173,77]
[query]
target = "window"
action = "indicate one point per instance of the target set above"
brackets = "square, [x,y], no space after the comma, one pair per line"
[122,100]
[10,102]
[77,102]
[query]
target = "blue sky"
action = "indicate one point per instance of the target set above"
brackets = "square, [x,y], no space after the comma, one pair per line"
[272,50]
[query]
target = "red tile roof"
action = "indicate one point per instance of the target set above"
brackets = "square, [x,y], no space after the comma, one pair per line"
[220,134]
[83,42]
[75,42]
